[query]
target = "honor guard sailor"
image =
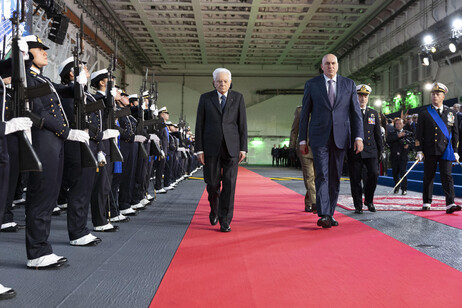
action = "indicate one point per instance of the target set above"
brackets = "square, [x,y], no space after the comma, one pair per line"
[436,143]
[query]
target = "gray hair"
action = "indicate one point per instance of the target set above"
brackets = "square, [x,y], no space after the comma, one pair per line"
[221,70]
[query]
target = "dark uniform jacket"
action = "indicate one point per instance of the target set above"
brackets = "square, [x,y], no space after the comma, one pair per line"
[128,124]
[397,150]
[373,145]
[429,137]
[49,106]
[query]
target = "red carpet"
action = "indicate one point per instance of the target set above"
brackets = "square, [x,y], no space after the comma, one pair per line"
[276,256]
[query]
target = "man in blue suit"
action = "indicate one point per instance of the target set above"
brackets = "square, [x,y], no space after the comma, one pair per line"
[336,120]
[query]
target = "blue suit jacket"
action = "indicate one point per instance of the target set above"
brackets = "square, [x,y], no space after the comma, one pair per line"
[344,117]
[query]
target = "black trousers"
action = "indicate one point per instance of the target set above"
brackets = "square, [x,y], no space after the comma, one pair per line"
[398,166]
[101,191]
[42,192]
[12,181]
[140,188]
[4,174]
[430,164]
[159,173]
[220,174]
[80,181]
[357,180]
[127,183]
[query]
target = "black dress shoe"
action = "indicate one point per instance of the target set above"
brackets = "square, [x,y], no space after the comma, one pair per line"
[358,211]
[225,228]
[449,210]
[333,222]
[213,219]
[404,192]
[324,222]
[371,207]
[307,208]
[313,208]
[8,294]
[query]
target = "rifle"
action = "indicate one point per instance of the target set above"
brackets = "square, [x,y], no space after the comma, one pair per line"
[155,123]
[21,106]
[142,153]
[87,158]
[114,150]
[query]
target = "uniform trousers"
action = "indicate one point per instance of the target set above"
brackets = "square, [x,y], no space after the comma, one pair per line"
[308,178]
[42,192]
[127,184]
[13,153]
[159,173]
[100,196]
[140,187]
[80,181]
[220,174]
[430,164]
[355,165]
[4,174]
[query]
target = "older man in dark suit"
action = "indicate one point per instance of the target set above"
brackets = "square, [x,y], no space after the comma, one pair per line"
[332,102]
[221,144]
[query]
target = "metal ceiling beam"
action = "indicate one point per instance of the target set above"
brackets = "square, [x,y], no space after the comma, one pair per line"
[301,27]
[196,4]
[139,9]
[128,36]
[249,29]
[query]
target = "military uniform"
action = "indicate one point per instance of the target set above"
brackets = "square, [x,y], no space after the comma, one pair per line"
[431,140]
[373,147]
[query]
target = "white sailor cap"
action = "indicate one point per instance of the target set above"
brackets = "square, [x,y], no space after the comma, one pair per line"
[439,87]
[169,123]
[363,89]
[98,75]
[133,97]
[66,66]
[163,109]
[146,93]
[33,41]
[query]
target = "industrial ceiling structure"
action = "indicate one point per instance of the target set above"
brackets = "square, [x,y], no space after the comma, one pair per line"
[167,35]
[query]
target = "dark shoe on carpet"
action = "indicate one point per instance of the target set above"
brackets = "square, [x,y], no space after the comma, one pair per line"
[307,208]
[404,192]
[213,219]
[358,211]
[452,208]
[50,261]
[333,222]
[396,191]
[225,228]
[324,222]
[313,208]
[371,207]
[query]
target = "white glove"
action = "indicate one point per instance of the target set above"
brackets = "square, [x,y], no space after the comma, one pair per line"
[114,92]
[420,156]
[110,133]
[24,48]
[162,154]
[78,135]
[101,158]
[17,124]
[82,78]
[457,156]
[143,106]
[140,138]
[154,138]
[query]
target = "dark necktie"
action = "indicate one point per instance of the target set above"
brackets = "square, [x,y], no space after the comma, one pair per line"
[331,93]
[223,102]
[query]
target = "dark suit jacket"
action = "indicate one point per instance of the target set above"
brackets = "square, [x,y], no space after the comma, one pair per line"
[429,138]
[213,125]
[344,117]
